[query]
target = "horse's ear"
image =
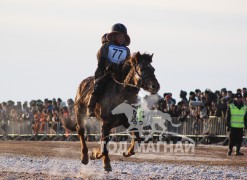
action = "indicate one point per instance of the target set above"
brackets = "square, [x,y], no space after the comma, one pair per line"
[138,57]
[135,58]
[151,57]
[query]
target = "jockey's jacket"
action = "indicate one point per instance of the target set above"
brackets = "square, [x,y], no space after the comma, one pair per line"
[237,116]
[111,53]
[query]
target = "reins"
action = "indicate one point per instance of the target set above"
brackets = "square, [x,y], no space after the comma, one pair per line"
[123,84]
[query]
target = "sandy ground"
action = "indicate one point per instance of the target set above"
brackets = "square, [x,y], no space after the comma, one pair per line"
[204,155]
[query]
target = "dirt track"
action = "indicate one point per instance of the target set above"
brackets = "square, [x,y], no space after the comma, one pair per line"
[204,155]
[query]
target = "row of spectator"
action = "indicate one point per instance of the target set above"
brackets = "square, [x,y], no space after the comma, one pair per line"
[36,114]
[199,105]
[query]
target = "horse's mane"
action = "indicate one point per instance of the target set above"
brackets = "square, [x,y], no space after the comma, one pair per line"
[134,60]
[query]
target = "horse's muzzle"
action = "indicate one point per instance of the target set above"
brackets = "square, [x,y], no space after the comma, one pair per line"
[154,87]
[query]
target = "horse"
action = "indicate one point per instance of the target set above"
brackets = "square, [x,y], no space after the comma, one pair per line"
[135,73]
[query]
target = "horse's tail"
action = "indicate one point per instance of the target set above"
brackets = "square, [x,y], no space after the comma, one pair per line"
[68,123]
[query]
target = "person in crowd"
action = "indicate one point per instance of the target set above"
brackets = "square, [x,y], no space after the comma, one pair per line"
[245,99]
[111,56]
[56,121]
[236,122]
[230,96]
[49,107]
[198,94]
[43,120]
[183,97]
[26,118]
[70,103]
[169,102]
[172,99]
[183,110]
[244,94]
[174,112]
[59,101]
[244,91]
[55,105]
[37,122]
[161,104]
[192,96]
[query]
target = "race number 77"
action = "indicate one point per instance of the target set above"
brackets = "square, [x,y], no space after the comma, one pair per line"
[115,51]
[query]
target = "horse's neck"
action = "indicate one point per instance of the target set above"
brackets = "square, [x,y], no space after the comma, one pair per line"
[129,78]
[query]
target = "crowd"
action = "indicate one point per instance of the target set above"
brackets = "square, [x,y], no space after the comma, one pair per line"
[36,114]
[199,104]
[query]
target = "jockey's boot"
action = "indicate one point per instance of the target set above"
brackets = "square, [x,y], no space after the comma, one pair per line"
[91,105]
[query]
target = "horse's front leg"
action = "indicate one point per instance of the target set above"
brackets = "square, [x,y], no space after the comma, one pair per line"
[131,149]
[105,139]
[103,152]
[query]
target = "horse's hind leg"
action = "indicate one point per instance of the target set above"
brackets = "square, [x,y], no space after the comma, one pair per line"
[80,128]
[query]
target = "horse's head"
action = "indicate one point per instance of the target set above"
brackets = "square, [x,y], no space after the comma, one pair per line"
[143,73]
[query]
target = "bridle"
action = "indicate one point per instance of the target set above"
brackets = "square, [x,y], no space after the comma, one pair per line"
[140,82]
[142,77]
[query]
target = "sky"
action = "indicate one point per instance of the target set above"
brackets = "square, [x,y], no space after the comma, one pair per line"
[48,47]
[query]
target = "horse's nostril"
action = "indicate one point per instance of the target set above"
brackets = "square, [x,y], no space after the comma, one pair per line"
[153,86]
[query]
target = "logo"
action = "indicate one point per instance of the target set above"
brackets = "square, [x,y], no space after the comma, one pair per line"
[149,123]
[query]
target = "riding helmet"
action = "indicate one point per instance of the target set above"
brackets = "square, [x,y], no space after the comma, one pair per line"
[118,28]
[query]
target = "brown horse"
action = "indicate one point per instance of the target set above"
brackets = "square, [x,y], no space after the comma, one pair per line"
[140,74]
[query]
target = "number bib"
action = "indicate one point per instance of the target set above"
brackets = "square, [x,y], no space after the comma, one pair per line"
[117,54]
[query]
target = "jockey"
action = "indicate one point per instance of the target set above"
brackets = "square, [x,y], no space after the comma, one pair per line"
[112,53]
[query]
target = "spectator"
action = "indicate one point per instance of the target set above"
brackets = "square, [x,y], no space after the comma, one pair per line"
[183,95]
[198,94]
[192,96]
[230,95]
[173,100]
[161,105]
[236,121]
[70,103]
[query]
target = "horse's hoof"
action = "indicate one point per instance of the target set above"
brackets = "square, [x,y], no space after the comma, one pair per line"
[92,157]
[99,156]
[96,154]
[84,159]
[128,154]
